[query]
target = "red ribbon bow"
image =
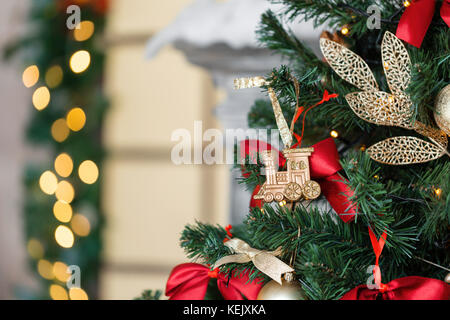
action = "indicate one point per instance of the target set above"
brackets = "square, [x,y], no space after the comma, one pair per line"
[189,281]
[416,19]
[324,167]
[407,288]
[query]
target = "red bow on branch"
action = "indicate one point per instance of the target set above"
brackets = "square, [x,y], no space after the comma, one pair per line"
[189,281]
[416,19]
[324,167]
[407,288]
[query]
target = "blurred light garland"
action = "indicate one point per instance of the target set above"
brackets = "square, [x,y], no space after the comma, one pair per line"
[62,211]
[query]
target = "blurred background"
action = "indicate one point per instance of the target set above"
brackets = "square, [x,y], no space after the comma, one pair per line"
[86,121]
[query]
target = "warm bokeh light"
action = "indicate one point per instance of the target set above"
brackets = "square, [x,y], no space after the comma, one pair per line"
[334,134]
[78,294]
[30,76]
[62,211]
[76,118]
[60,131]
[60,271]
[63,165]
[57,292]
[80,225]
[64,237]
[41,98]
[35,249]
[80,61]
[438,192]
[45,269]
[88,172]
[54,76]
[48,182]
[345,30]
[84,30]
[65,192]
[406,3]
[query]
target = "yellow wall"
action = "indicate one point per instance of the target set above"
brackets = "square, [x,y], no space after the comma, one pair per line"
[147,199]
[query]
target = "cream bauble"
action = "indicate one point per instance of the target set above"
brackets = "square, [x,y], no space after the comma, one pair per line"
[447,278]
[442,109]
[287,291]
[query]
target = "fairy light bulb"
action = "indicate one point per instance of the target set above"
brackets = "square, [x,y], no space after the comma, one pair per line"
[334,134]
[345,30]
[438,192]
[406,3]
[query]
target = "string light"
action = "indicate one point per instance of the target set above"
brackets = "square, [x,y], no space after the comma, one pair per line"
[345,30]
[64,237]
[78,294]
[391,99]
[80,61]
[282,203]
[57,292]
[334,134]
[62,211]
[76,119]
[80,225]
[406,3]
[60,131]
[363,148]
[48,182]
[54,76]
[41,98]
[35,249]
[83,31]
[60,271]
[30,76]
[65,191]
[88,172]
[63,165]
[438,192]
[45,269]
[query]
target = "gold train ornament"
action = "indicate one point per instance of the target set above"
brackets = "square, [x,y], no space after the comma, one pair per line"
[290,185]
[293,184]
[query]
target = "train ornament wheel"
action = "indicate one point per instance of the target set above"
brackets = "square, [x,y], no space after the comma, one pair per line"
[293,191]
[279,197]
[311,190]
[268,197]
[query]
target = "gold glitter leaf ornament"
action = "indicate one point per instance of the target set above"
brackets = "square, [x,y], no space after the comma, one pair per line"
[382,108]
[404,150]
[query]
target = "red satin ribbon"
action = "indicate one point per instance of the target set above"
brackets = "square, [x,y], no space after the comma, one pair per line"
[227,229]
[324,167]
[189,281]
[407,288]
[377,245]
[416,19]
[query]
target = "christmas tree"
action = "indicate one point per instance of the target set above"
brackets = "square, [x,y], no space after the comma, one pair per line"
[361,215]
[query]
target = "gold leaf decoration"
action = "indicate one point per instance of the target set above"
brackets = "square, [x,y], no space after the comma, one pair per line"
[381,108]
[436,135]
[404,150]
[396,63]
[389,109]
[348,65]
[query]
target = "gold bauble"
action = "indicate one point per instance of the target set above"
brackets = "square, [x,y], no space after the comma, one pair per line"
[287,291]
[442,109]
[447,278]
